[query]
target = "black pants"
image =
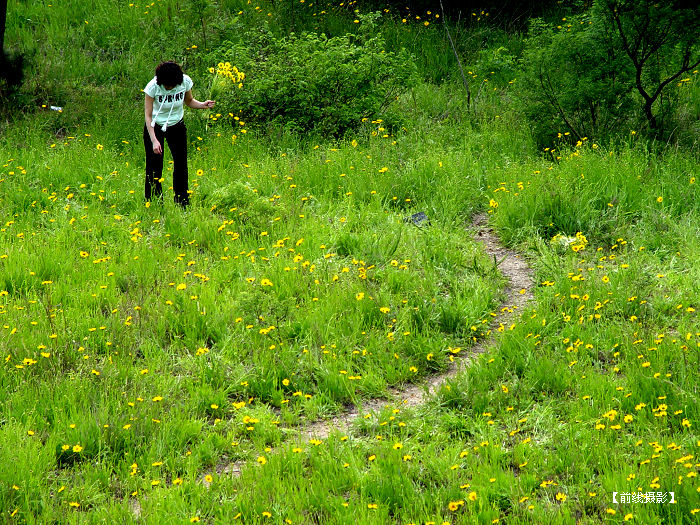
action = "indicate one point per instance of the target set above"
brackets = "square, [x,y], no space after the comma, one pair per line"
[176,137]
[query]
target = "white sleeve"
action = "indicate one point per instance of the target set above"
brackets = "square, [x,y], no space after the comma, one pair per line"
[150,88]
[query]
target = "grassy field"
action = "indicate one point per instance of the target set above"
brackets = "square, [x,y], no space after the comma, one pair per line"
[161,365]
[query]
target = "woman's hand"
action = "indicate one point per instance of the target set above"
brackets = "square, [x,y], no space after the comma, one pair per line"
[157,147]
[193,103]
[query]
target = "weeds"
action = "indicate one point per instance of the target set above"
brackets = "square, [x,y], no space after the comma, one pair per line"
[160,365]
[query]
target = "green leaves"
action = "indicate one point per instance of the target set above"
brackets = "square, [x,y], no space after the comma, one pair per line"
[594,74]
[312,82]
[659,40]
[574,81]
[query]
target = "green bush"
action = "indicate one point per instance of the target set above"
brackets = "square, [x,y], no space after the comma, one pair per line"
[310,82]
[660,41]
[574,81]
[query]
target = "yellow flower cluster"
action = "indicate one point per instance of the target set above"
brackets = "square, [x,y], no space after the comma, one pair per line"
[226,70]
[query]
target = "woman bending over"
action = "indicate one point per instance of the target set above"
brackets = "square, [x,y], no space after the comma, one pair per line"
[166,95]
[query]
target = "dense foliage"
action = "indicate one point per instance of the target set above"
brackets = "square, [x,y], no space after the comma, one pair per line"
[312,82]
[621,65]
[661,42]
[573,83]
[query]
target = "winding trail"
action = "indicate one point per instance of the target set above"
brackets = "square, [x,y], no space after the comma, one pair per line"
[518,292]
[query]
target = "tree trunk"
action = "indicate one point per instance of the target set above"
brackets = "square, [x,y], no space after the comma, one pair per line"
[651,118]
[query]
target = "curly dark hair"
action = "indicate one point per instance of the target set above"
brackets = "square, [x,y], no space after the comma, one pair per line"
[169,74]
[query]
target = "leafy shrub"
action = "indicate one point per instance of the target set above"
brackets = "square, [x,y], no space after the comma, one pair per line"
[660,40]
[311,82]
[574,81]
[499,61]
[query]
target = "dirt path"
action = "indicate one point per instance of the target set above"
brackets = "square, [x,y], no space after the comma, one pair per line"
[518,293]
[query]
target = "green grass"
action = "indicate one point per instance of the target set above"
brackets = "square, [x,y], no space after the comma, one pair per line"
[148,353]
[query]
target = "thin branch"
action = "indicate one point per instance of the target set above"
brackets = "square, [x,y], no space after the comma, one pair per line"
[454,50]
[641,32]
[684,69]
[553,100]
[623,36]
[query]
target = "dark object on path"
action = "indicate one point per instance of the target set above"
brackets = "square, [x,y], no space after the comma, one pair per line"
[419,219]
